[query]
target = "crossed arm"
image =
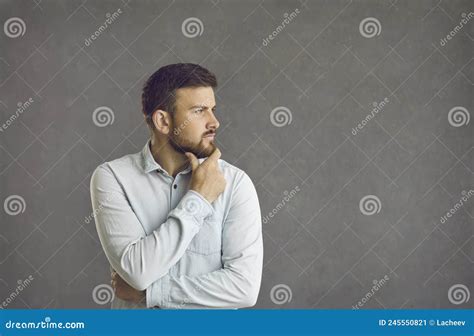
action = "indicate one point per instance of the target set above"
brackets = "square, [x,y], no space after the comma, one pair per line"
[143,261]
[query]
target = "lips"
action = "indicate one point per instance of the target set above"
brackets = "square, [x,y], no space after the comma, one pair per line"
[210,135]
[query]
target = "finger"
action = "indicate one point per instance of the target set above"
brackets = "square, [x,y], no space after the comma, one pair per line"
[215,155]
[192,160]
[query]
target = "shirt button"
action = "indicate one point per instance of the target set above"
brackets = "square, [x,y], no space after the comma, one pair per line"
[175,186]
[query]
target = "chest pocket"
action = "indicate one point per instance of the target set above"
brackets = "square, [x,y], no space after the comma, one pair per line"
[209,238]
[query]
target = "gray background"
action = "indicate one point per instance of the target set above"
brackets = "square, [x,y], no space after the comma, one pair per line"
[320,67]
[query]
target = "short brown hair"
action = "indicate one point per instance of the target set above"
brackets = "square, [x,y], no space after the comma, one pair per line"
[159,91]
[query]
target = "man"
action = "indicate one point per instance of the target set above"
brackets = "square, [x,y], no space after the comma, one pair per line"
[180,227]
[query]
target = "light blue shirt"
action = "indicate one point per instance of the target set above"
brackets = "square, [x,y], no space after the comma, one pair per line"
[161,237]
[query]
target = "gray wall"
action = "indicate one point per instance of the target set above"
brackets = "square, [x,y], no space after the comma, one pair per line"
[355,210]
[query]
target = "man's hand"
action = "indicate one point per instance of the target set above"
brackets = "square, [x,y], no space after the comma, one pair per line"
[124,291]
[207,179]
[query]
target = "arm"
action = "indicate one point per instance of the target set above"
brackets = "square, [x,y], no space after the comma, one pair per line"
[237,284]
[140,259]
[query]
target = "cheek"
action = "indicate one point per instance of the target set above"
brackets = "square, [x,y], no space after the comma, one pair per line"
[193,131]
[186,135]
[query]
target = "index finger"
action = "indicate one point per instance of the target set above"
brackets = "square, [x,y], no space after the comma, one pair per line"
[215,155]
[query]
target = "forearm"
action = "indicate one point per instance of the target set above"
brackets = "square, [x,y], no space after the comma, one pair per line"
[234,286]
[237,284]
[142,259]
[151,257]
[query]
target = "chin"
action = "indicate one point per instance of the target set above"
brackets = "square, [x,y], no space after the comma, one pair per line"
[205,151]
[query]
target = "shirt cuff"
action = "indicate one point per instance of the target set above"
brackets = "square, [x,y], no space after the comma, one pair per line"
[157,293]
[194,204]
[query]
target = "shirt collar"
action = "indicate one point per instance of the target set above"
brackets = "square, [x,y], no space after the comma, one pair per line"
[149,164]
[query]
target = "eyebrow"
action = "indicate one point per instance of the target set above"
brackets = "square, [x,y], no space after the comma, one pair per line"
[201,106]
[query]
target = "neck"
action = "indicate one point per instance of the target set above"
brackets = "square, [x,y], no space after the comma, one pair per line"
[167,157]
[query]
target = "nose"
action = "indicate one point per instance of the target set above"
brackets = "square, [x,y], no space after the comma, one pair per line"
[213,122]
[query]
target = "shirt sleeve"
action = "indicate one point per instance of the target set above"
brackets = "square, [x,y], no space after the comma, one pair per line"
[138,258]
[237,284]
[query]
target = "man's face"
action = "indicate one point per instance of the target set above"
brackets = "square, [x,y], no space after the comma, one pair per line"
[194,124]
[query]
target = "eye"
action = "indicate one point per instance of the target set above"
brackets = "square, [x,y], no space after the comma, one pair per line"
[199,110]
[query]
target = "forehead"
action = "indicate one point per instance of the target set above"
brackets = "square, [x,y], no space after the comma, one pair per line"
[191,96]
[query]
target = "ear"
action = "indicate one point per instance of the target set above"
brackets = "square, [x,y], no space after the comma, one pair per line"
[162,121]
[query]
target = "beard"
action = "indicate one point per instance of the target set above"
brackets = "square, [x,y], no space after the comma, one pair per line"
[183,145]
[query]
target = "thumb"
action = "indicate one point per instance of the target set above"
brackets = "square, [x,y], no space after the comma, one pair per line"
[193,160]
